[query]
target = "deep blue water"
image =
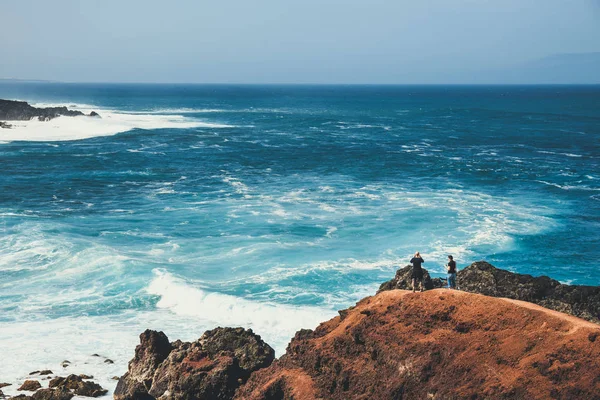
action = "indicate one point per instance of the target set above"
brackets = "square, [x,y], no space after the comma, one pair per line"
[234,200]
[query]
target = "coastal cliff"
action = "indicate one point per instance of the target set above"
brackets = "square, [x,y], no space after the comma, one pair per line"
[11,110]
[440,344]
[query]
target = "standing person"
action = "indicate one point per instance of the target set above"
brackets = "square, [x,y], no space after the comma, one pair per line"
[451,268]
[417,271]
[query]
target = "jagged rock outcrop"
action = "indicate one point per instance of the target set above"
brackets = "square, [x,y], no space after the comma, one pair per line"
[441,344]
[581,301]
[483,278]
[11,110]
[402,280]
[212,367]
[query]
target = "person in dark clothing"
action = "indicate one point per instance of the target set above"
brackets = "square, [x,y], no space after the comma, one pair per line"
[417,271]
[451,268]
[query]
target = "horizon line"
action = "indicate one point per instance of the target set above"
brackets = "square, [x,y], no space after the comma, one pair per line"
[19,80]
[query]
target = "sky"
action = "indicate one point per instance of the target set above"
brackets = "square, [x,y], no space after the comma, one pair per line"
[308,41]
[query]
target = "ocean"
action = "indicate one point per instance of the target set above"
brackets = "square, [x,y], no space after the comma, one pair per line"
[187,207]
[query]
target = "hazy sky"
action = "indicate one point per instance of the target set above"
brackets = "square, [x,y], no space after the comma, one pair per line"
[320,41]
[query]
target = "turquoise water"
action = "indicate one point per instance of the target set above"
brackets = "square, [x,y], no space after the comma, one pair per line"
[187,207]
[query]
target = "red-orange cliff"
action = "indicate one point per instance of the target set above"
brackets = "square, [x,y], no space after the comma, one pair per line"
[440,344]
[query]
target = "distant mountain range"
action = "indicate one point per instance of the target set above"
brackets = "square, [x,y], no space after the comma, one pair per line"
[558,68]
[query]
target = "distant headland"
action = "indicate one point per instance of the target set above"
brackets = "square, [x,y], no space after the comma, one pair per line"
[12,110]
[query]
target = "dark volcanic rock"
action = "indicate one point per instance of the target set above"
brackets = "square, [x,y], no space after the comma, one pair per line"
[153,349]
[212,367]
[402,280]
[52,394]
[30,385]
[94,114]
[483,278]
[78,385]
[11,110]
[5,125]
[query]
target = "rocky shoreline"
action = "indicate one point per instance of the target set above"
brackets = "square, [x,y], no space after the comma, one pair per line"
[502,336]
[12,110]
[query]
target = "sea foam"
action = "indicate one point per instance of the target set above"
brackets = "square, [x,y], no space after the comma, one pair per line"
[276,323]
[110,123]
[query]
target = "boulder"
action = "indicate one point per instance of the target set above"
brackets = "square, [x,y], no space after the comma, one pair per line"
[30,385]
[52,394]
[78,386]
[212,367]
[5,125]
[94,114]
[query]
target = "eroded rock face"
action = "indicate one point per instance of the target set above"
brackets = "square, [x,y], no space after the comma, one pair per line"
[441,344]
[212,367]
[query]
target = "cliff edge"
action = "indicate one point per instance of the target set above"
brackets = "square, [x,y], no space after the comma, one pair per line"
[440,344]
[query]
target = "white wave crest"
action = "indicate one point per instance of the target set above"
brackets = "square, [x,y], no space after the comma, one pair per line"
[110,123]
[276,323]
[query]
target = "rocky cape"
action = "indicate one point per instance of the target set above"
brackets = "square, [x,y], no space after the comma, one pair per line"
[11,110]
[440,344]
[483,278]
